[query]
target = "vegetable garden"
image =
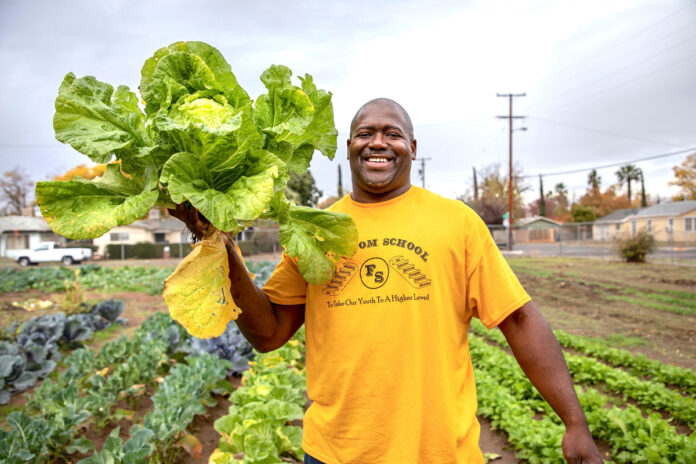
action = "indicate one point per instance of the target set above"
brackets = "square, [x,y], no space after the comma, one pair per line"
[143,390]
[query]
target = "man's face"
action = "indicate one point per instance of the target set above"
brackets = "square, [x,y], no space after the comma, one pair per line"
[380,151]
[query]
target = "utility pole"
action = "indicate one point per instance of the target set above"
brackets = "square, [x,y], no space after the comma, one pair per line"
[421,171]
[510,117]
[475,185]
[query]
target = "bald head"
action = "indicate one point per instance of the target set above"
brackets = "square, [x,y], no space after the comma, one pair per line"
[382,101]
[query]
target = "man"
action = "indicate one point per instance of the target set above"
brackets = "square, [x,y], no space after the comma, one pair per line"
[388,366]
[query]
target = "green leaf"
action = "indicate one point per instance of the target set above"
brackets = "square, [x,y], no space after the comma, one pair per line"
[296,121]
[220,134]
[88,209]
[97,122]
[80,445]
[316,238]
[185,68]
[245,200]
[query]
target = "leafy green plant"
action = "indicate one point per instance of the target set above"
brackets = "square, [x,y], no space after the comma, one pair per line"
[633,249]
[201,140]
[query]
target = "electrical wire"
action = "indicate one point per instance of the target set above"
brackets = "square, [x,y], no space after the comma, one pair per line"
[603,132]
[622,163]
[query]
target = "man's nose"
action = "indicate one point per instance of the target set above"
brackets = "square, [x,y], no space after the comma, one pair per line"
[378,141]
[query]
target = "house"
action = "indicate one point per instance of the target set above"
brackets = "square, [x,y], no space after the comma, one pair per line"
[154,229]
[673,222]
[613,225]
[536,229]
[168,230]
[21,232]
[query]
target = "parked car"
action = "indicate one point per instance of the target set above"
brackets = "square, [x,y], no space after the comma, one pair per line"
[48,252]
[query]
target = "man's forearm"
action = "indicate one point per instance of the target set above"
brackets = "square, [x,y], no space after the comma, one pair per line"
[539,355]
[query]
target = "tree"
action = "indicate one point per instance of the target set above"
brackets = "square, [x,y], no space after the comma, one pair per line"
[643,200]
[626,175]
[594,180]
[302,189]
[582,213]
[685,179]
[15,187]
[492,200]
[542,202]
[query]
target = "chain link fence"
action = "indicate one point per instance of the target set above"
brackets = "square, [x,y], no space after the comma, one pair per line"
[582,240]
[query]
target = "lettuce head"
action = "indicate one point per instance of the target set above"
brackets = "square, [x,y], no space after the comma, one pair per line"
[195,136]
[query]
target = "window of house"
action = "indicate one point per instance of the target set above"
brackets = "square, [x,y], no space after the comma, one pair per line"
[160,237]
[670,226]
[618,227]
[119,236]
[649,225]
[690,224]
[633,227]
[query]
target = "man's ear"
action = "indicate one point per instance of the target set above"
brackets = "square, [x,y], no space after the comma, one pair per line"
[347,148]
[413,149]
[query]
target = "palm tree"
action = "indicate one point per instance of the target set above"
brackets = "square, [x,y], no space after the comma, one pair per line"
[594,180]
[627,174]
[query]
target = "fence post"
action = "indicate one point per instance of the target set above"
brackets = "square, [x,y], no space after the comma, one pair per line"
[560,242]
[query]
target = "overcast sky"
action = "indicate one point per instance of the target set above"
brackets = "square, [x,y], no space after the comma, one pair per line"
[606,81]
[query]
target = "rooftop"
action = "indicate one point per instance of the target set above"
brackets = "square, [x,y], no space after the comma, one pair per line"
[23,224]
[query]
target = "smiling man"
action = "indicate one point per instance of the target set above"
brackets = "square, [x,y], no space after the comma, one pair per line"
[388,365]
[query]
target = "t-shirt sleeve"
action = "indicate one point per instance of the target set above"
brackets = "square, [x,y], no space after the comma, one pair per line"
[493,291]
[286,286]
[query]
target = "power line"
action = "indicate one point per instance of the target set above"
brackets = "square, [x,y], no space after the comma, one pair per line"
[622,163]
[599,131]
[619,58]
[626,39]
[620,84]
[602,78]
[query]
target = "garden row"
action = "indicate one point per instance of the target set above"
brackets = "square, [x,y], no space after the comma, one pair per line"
[634,435]
[30,351]
[148,279]
[159,357]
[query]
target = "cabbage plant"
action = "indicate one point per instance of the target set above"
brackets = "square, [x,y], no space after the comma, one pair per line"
[196,137]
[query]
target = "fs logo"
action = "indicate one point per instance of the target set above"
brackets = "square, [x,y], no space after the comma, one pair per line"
[374,273]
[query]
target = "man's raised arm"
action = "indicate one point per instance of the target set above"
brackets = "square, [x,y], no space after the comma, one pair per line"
[265,325]
[539,355]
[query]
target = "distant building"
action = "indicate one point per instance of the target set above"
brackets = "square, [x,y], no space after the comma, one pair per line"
[667,222]
[611,226]
[21,232]
[675,221]
[536,229]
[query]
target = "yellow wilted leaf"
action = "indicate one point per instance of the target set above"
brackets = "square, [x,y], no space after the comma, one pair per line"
[192,445]
[198,293]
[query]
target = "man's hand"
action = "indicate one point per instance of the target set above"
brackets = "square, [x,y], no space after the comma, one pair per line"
[579,448]
[195,222]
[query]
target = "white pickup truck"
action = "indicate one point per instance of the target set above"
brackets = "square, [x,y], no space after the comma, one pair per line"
[48,252]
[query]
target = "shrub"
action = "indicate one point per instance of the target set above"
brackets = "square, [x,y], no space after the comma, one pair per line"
[634,249]
[266,240]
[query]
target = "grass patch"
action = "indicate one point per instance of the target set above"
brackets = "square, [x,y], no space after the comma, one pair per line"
[623,340]
[652,305]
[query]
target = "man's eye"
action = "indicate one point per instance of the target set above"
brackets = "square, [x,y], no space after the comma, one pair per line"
[394,134]
[363,134]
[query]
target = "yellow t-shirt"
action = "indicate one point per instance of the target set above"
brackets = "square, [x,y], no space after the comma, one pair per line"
[388,365]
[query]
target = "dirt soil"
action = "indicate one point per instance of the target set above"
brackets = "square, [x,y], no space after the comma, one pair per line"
[616,301]
[574,295]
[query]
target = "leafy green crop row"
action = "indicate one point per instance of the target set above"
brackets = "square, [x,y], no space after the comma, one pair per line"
[638,365]
[147,279]
[272,395]
[651,394]
[92,383]
[633,438]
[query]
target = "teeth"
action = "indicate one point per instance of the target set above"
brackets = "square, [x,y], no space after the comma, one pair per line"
[377,160]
